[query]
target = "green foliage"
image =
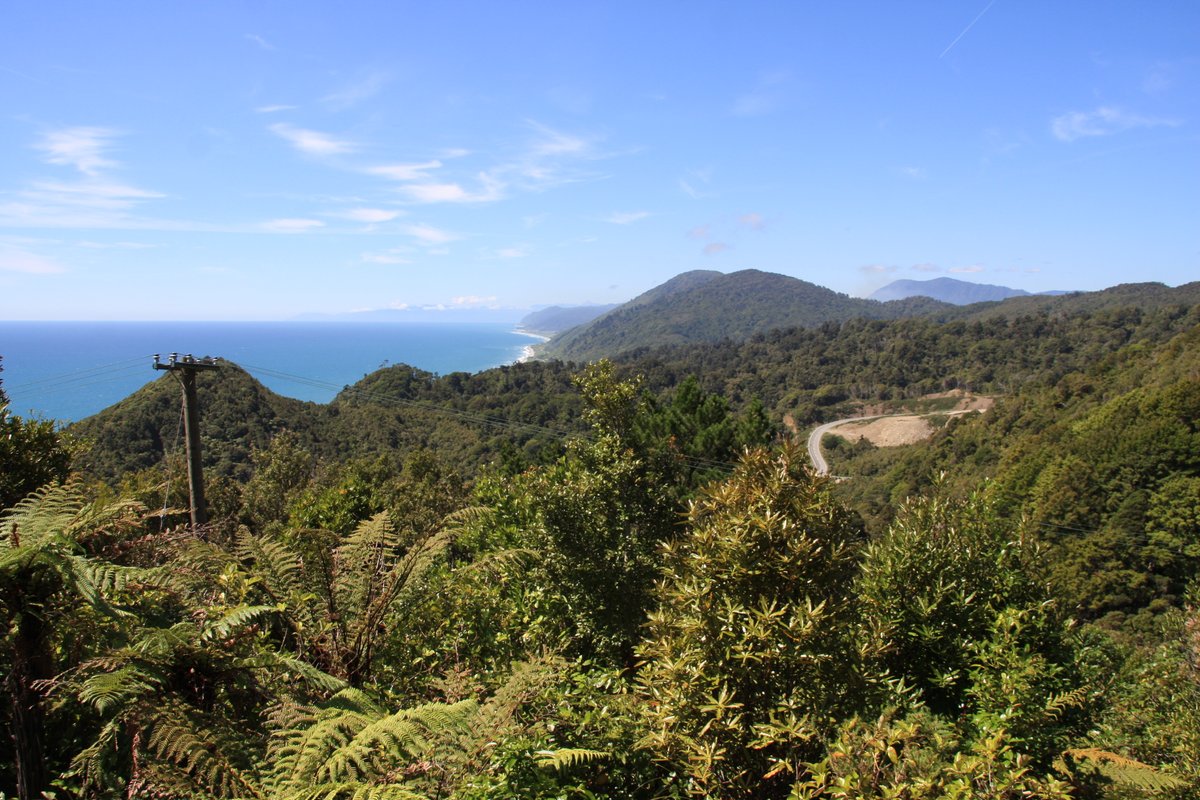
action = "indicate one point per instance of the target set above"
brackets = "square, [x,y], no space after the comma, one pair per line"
[935,584]
[919,756]
[750,655]
[32,454]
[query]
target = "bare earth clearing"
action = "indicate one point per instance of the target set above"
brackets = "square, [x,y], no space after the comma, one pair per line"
[889,430]
[893,431]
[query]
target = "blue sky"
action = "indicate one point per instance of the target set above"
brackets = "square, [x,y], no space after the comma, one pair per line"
[258,160]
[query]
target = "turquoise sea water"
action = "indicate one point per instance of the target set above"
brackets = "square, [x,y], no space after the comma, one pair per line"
[70,370]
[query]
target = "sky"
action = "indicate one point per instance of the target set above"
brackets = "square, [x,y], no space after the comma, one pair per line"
[259,160]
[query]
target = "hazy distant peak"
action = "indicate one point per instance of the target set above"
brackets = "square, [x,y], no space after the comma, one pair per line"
[947,290]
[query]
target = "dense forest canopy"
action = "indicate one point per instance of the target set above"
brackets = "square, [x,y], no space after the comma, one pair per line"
[622,580]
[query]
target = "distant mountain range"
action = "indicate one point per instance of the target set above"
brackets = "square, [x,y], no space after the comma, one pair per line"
[949,290]
[707,306]
[556,319]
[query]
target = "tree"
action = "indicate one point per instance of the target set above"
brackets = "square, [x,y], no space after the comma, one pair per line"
[750,655]
[45,571]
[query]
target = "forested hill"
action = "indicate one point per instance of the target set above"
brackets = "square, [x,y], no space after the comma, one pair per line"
[518,411]
[709,307]
[548,580]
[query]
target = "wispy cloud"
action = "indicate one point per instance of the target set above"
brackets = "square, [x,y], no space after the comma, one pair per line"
[877,269]
[428,234]
[700,232]
[16,260]
[117,245]
[312,142]
[762,99]
[754,221]
[362,88]
[368,215]
[913,173]
[292,225]
[967,270]
[405,172]
[692,184]
[82,148]
[274,109]
[926,267]
[714,248]
[261,42]
[488,190]
[516,251]
[626,217]
[1103,121]
[396,255]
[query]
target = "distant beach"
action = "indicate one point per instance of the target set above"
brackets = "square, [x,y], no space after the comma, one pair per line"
[529,351]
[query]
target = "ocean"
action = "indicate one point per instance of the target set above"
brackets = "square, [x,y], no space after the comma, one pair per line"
[66,371]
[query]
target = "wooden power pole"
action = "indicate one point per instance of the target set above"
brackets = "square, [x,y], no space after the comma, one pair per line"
[185,369]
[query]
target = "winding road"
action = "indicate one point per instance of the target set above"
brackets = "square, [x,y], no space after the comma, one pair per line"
[814,440]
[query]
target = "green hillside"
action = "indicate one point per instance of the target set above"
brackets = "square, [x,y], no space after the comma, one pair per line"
[709,307]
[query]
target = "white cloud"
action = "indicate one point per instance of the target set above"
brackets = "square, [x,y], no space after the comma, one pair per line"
[312,142]
[971,268]
[700,232]
[368,215]
[626,217]
[517,251]
[275,109]
[82,148]
[714,248]
[427,234]
[877,269]
[554,143]
[926,267]
[489,190]
[292,225]
[693,180]
[15,260]
[405,172]
[916,173]
[1103,121]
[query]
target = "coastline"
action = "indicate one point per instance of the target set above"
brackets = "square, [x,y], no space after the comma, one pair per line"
[529,351]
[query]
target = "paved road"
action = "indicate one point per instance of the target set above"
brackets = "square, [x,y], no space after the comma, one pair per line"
[814,440]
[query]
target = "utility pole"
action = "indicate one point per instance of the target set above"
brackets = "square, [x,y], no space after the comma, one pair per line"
[185,369]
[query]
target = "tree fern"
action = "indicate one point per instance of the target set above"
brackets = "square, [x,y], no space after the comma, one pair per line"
[352,739]
[1127,772]
[568,757]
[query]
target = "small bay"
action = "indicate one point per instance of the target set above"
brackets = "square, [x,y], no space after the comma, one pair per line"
[70,370]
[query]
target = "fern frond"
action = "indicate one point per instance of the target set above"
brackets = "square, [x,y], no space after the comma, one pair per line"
[107,690]
[1119,769]
[45,512]
[178,739]
[378,747]
[353,790]
[275,662]
[278,565]
[568,757]
[234,618]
